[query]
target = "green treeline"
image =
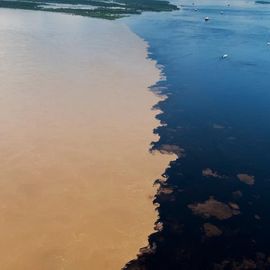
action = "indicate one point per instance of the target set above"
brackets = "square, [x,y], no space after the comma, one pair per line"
[105,9]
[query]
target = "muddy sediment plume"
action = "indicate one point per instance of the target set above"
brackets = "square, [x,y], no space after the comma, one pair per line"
[76,174]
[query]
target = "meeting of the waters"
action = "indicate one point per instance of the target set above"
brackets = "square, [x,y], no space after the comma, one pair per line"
[83,100]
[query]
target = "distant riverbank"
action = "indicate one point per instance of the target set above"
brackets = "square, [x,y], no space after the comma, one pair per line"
[104,9]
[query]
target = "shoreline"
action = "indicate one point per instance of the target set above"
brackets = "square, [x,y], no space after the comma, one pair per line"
[95,9]
[51,124]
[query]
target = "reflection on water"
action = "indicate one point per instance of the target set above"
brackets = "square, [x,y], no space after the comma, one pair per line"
[216,215]
[76,124]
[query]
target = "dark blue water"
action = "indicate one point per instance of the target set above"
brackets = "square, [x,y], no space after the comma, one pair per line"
[216,214]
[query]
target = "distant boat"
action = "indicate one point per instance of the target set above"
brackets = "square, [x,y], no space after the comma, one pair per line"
[206,18]
[224,56]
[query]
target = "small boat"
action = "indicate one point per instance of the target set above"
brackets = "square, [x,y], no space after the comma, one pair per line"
[206,18]
[268,43]
[224,56]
